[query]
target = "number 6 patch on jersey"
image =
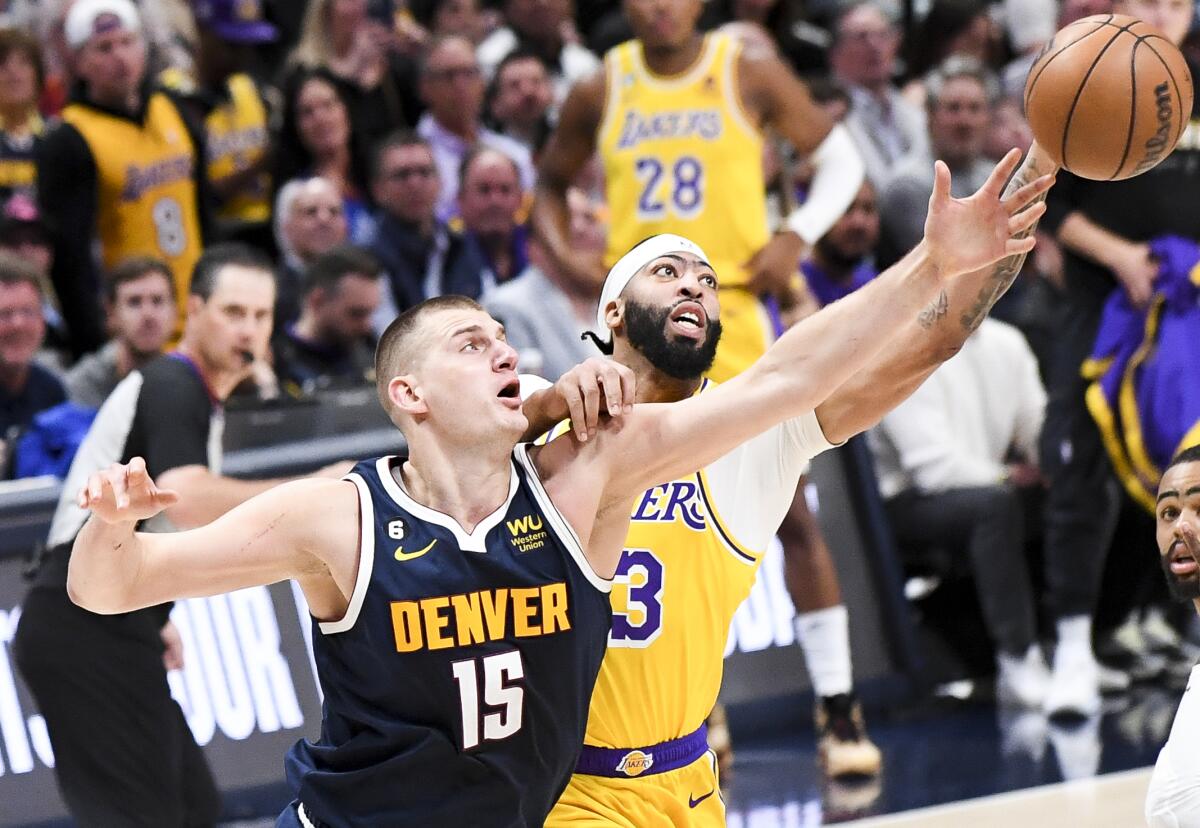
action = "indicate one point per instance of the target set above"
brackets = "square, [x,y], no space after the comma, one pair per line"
[639,578]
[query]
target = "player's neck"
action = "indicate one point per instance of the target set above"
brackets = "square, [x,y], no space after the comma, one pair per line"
[669,61]
[466,485]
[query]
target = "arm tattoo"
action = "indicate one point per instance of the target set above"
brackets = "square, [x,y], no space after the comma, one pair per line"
[934,311]
[1005,271]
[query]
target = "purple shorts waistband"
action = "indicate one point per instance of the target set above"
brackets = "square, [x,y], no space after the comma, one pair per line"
[624,763]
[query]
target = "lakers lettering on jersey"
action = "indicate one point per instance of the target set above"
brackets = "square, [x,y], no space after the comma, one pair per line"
[145,186]
[681,156]
[18,171]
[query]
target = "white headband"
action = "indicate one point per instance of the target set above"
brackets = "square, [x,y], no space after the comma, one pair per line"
[633,261]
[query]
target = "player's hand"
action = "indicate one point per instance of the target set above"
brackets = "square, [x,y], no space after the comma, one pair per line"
[966,234]
[172,646]
[592,386]
[1136,270]
[124,493]
[772,268]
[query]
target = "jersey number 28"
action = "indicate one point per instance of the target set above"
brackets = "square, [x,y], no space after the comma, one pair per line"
[502,692]
[684,184]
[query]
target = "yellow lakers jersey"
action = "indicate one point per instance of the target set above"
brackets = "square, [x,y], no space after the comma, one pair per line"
[693,550]
[18,172]
[681,156]
[237,137]
[145,186]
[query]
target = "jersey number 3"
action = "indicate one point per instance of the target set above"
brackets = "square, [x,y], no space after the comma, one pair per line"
[641,621]
[685,184]
[501,692]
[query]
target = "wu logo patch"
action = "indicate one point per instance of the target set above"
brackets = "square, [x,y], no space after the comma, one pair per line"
[526,533]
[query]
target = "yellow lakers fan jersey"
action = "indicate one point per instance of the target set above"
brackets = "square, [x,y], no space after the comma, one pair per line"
[237,137]
[693,549]
[145,189]
[681,156]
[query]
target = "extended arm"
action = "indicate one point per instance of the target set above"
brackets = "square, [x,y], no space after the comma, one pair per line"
[570,146]
[821,353]
[927,339]
[297,530]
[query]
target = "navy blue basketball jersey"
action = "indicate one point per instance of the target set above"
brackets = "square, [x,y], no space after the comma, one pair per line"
[457,684]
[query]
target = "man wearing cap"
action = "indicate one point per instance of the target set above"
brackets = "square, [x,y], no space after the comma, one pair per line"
[122,169]
[234,113]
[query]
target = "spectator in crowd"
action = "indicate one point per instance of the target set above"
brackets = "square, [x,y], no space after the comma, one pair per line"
[316,139]
[1104,228]
[452,88]
[519,99]
[124,169]
[421,255]
[362,56]
[139,301]
[234,113]
[803,45]
[463,18]
[332,343]
[123,751]
[489,200]
[952,461]
[21,127]
[959,108]
[25,233]
[841,261]
[886,127]
[310,219]
[25,387]
[544,310]
[950,28]
[538,26]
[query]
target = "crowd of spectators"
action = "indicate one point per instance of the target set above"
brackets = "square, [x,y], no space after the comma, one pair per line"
[384,153]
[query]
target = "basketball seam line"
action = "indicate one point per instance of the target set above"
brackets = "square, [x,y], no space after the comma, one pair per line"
[1083,84]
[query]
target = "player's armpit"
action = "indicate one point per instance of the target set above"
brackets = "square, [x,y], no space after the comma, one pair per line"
[295,529]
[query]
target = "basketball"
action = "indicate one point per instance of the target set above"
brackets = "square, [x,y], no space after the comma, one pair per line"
[1109,97]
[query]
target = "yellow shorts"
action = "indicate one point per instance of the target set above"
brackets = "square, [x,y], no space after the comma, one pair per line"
[746,333]
[688,796]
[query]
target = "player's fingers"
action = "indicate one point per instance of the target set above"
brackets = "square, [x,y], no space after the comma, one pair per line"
[1028,193]
[994,185]
[1018,247]
[95,488]
[137,474]
[591,407]
[118,478]
[941,183]
[611,380]
[1026,218]
[574,400]
[165,497]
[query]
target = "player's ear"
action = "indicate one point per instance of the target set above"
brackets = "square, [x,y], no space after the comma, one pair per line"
[614,315]
[407,395]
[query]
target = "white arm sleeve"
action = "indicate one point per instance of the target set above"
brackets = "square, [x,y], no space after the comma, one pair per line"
[839,174]
[1173,800]
[752,487]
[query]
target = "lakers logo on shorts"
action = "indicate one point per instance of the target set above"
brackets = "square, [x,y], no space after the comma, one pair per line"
[635,763]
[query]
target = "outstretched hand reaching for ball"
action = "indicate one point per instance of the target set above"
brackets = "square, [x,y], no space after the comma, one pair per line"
[124,492]
[966,234]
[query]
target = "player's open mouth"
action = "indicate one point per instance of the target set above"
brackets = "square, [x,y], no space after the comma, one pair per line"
[688,319]
[511,393]
[1183,563]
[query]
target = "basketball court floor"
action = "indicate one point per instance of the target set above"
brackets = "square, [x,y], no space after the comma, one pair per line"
[963,764]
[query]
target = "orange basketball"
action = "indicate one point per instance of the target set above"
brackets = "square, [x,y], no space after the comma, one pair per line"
[1109,97]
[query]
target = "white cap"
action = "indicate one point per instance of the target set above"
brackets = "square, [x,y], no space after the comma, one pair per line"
[92,17]
[633,261]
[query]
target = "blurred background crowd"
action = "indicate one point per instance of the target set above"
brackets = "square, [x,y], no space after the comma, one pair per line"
[382,152]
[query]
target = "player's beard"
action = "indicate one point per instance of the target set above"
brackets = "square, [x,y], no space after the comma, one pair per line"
[1181,589]
[646,328]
